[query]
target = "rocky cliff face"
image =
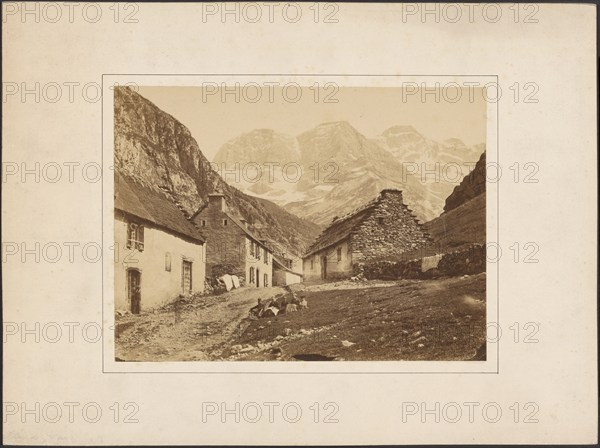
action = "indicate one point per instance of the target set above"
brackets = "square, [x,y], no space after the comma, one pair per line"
[259,144]
[471,186]
[154,148]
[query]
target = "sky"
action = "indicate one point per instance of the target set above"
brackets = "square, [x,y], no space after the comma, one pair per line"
[213,119]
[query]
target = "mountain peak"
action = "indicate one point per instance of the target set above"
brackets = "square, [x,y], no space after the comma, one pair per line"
[262,131]
[454,142]
[399,129]
[335,124]
[333,127]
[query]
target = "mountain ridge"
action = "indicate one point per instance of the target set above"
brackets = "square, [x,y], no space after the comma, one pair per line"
[342,167]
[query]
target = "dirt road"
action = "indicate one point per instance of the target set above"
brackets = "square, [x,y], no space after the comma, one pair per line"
[187,331]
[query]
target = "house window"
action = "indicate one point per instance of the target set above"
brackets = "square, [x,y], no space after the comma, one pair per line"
[266,258]
[186,277]
[251,275]
[265,281]
[379,221]
[339,253]
[252,248]
[203,222]
[135,236]
[168,262]
[225,222]
[312,262]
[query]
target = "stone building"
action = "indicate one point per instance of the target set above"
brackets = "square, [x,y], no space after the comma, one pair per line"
[285,271]
[159,254]
[383,228]
[233,248]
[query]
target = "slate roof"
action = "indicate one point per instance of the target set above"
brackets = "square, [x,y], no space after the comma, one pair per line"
[343,227]
[153,206]
[281,264]
[240,224]
[247,231]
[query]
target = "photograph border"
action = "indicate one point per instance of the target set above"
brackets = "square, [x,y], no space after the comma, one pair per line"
[300,367]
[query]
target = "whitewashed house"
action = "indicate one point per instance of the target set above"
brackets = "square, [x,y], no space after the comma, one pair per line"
[159,253]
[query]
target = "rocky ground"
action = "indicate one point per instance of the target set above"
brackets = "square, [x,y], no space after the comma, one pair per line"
[192,330]
[441,319]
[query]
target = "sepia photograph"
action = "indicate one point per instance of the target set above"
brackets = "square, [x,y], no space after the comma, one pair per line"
[281,222]
[299,224]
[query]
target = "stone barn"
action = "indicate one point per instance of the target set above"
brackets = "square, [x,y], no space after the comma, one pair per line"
[383,228]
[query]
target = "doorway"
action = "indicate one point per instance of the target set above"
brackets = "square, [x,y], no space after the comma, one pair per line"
[186,277]
[134,290]
[323,268]
[257,277]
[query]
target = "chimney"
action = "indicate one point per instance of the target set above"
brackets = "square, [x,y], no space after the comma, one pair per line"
[217,200]
[387,191]
[244,222]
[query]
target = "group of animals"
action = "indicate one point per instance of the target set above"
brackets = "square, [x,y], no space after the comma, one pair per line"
[282,303]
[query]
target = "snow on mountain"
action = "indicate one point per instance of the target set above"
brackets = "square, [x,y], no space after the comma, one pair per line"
[331,169]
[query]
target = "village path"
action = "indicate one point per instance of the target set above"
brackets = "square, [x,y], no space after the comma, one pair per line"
[196,330]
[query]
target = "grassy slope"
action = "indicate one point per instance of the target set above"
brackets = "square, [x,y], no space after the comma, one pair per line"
[413,320]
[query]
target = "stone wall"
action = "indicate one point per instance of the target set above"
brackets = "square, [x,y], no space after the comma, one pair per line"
[471,260]
[281,277]
[336,268]
[225,245]
[228,246]
[388,231]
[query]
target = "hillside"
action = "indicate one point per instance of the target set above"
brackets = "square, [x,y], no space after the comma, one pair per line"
[464,218]
[471,186]
[460,226]
[154,148]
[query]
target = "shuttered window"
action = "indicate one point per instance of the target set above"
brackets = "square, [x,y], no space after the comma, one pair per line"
[135,236]
[168,262]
